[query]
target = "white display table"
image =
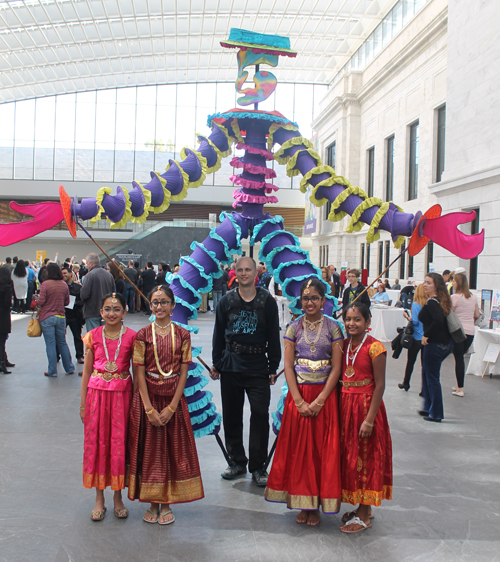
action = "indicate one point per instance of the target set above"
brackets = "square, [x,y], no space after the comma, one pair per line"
[393,295]
[385,322]
[476,365]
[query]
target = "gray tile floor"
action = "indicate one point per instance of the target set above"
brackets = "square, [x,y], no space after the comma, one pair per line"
[446,505]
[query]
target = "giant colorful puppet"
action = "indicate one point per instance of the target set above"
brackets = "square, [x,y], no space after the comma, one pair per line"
[256,132]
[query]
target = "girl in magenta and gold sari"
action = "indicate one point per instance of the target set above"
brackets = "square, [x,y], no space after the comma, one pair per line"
[164,466]
[106,396]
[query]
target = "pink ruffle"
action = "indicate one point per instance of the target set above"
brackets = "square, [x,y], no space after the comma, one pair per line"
[253,169]
[250,184]
[241,197]
[267,155]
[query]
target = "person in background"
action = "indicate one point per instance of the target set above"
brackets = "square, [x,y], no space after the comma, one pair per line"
[466,307]
[335,279]
[148,277]
[448,279]
[343,281]
[54,296]
[406,295]
[161,278]
[355,289]
[8,264]
[20,283]
[5,320]
[225,281]
[129,294]
[396,286]
[387,284]
[42,269]
[381,296]
[74,315]
[97,283]
[264,276]
[418,332]
[76,272]
[31,284]
[325,275]
[217,288]
[114,268]
[437,344]
[83,269]
[138,298]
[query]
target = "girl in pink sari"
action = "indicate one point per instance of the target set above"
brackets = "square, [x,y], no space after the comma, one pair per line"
[106,397]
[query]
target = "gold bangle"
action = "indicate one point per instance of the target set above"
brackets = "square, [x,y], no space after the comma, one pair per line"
[150,411]
[170,409]
[368,424]
[82,407]
[320,405]
[299,405]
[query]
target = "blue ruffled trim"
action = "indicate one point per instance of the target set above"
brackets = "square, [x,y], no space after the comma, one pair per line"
[210,411]
[195,372]
[222,217]
[187,327]
[269,259]
[276,423]
[189,391]
[271,235]
[295,279]
[193,309]
[171,276]
[194,263]
[211,429]
[213,234]
[195,351]
[211,255]
[295,305]
[277,271]
[275,220]
[207,398]
[248,114]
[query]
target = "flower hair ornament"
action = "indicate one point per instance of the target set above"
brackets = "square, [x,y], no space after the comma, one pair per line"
[306,290]
[114,300]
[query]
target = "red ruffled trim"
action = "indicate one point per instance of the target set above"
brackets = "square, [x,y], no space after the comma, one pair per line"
[267,155]
[241,197]
[253,169]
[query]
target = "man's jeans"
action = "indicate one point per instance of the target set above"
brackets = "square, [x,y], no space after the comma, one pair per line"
[54,334]
[129,297]
[92,322]
[216,297]
[433,356]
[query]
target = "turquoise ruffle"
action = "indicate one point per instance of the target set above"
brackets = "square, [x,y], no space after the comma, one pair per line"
[269,259]
[277,271]
[189,391]
[195,351]
[193,329]
[275,220]
[212,255]
[237,227]
[203,416]
[194,263]
[209,430]
[171,276]
[250,114]
[285,284]
[213,234]
[271,235]
[201,402]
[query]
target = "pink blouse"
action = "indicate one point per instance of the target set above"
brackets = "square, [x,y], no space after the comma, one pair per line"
[121,380]
[465,309]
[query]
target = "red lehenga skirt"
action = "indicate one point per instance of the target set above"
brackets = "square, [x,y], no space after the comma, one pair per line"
[366,463]
[306,468]
[164,465]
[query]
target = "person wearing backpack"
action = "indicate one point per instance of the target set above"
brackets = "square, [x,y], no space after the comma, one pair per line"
[437,343]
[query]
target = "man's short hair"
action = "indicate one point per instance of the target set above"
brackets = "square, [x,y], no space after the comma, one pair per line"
[150,264]
[136,264]
[131,263]
[93,259]
[8,260]
[446,272]
[246,258]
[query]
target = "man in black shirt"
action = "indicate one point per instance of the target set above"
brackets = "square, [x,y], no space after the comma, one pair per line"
[74,315]
[246,353]
[129,295]
[148,279]
[356,288]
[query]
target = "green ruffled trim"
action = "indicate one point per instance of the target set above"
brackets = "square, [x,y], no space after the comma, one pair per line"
[372,236]
[399,242]
[219,154]
[290,167]
[203,163]
[295,141]
[341,197]
[166,197]
[354,224]
[98,199]
[185,184]
[274,220]
[147,205]
[273,128]
[230,139]
[127,215]
[236,130]
[314,172]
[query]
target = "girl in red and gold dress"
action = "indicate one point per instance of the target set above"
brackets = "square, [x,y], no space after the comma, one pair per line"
[164,466]
[365,439]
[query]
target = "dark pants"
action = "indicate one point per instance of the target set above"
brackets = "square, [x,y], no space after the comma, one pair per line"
[31,291]
[459,350]
[3,355]
[405,300]
[129,297]
[434,355]
[413,351]
[233,388]
[76,329]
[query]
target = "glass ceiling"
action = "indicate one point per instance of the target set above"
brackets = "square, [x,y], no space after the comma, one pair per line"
[58,46]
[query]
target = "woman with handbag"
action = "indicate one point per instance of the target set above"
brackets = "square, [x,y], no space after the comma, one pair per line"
[415,348]
[54,296]
[5,322]
[437,344]
[466,308]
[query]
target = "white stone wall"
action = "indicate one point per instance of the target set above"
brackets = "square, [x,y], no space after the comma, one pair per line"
[406,82]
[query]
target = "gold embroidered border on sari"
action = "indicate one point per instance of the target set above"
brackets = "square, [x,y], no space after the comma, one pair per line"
[367,497]
[329,505]
[167,492]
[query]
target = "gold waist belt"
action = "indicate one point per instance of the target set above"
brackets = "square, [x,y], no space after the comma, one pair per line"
[314,365]
[347,384]
[110,376]
[161,377]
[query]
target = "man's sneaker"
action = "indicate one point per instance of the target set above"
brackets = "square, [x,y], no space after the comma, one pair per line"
[260,477]
[233,471]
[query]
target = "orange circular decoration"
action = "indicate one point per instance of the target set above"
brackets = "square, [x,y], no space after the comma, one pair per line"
[418,242]
[65,200]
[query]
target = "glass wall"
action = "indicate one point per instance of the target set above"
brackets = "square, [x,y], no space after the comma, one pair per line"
[123,134]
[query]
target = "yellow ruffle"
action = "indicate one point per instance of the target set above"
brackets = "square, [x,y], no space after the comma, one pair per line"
[295,141]
[229,138]
[147,204]
[341,197]
[98,199]
[185,184]
[166,197]
[203,163]
[290,167]
[236,130]
[315,172]
[219,154]
[273,128]
[127,215]
[354,224]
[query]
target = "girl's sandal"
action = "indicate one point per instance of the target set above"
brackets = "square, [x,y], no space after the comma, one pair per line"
[153,513]
[121,513]
[162,514]
[355,521]
[98,515]
[348,515]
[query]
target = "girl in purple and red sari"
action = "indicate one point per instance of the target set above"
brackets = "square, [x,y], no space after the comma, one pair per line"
[106,397]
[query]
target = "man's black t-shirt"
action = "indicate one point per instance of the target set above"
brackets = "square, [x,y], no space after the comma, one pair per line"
[247,328]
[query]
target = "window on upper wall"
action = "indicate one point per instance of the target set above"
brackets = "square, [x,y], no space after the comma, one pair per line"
[368,248]
[402,261]
[441,135]
[387,256]
[380,257]
[430,256]
[371,171]
[389,169]
[362,253]
[410,267]
[413,162]
[330,160]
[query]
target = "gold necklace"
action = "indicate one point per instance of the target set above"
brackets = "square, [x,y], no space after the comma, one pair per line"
[111,366]
[349,370]
[313,343]
[163,329]
[163,375]
[312,325]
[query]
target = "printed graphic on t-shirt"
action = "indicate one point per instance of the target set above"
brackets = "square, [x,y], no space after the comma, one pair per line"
[245,322]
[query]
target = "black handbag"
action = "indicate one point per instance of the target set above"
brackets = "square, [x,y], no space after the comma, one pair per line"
[407,336]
